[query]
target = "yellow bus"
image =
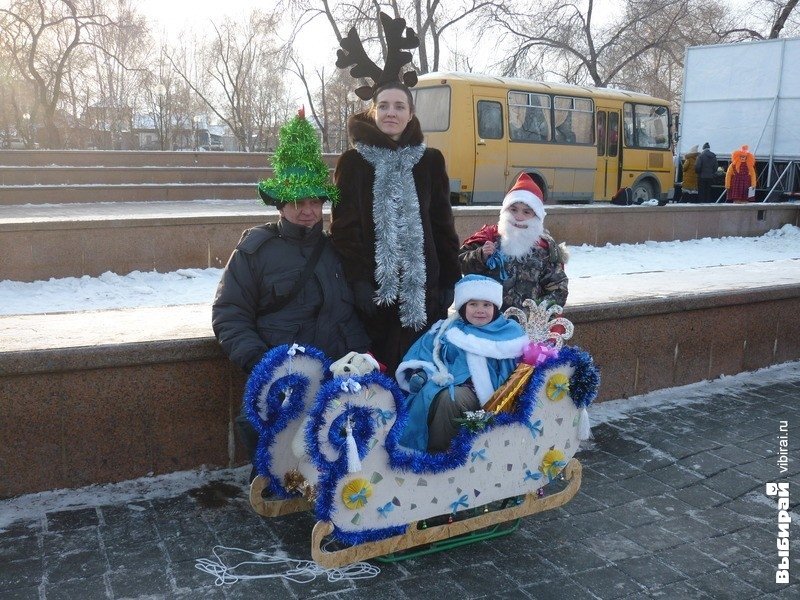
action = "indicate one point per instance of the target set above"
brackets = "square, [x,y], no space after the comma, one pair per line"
[567,137]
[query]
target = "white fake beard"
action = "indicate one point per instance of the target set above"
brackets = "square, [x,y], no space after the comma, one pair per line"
[515,241]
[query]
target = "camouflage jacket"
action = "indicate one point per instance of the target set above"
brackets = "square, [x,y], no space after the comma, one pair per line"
[539,274]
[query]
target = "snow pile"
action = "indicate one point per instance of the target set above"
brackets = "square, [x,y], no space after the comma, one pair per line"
[197,286]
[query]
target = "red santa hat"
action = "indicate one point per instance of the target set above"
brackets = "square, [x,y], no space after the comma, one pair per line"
[526,191]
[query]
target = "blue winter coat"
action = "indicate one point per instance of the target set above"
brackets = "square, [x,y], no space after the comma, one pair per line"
[485,355]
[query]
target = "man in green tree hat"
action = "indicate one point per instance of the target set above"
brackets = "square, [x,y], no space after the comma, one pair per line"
[284,282]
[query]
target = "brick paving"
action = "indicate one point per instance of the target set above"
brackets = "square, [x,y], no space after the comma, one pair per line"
[672,506]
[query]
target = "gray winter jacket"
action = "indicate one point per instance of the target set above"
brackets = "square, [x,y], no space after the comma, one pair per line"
[264,267]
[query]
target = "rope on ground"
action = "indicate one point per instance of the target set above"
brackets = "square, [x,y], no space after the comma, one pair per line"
[300,571]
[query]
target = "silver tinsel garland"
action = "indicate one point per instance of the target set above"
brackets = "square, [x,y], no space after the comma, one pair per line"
[399,240]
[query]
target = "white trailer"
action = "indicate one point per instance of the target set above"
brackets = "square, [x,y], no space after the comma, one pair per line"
[746,93]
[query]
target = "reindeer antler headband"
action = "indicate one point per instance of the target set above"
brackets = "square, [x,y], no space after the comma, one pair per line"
[353,54]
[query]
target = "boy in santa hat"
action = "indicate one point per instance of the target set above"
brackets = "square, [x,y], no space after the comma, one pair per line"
[457,365]
[518,251]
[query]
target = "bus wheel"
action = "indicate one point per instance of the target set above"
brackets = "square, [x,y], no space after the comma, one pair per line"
[642,191]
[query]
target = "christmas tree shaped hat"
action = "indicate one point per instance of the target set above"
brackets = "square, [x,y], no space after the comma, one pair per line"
[299,171]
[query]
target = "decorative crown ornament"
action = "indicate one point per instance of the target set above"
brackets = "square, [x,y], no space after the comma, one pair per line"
[538,323]
[299,171]
[352,54]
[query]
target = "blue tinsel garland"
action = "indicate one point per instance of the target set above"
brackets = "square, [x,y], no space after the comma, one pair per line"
[364,425]
[280,410]
[583,389]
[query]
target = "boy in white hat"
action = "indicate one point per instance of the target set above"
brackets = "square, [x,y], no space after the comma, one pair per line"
[518,251]
[458,364]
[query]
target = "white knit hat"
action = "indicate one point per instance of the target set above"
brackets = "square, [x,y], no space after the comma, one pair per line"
[526,191]
[478,287]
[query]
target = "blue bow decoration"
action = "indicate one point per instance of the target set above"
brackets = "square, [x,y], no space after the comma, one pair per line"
[535,428]
[531,475]
[498,261]
[479,454]
[383,416]
[385,510]
[360,496]
[350,385]
[460,502]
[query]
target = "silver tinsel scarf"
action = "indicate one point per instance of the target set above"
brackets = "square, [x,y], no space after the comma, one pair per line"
[399,241]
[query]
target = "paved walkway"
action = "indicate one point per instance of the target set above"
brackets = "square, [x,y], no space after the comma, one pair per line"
[673,506]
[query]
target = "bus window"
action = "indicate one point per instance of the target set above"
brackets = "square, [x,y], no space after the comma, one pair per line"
[574,120]
[528,117]
[601,133]
[432,107]
[646,126]
[613,133]
[490,120]
[627,120]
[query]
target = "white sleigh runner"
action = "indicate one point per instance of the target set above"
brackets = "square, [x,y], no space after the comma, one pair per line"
[372,495]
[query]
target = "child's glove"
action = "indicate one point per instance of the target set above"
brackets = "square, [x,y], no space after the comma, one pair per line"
[417,380]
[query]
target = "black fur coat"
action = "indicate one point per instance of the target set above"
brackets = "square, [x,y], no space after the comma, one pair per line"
[353,227]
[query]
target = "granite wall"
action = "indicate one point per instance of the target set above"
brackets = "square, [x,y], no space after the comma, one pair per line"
[96,414]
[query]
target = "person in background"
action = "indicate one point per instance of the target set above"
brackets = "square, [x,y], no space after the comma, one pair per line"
[689,186]
[284,282]
[706,168]
[518,251]
[456,366]
[741,176]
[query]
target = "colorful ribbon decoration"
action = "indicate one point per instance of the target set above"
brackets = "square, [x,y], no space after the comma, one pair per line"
[361,496]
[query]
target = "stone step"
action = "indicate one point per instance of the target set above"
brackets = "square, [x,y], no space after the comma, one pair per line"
[13,177]
[131,192]
[111,158]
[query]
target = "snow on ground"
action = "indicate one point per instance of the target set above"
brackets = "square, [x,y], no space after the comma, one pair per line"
[173,484]
[195,286]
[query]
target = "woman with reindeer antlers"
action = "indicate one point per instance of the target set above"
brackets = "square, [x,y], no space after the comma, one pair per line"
[394,225]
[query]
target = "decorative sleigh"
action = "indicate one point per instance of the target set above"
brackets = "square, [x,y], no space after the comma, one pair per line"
[332,443]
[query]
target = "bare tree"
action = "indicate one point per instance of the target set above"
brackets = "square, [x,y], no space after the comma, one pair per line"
[41,37]
[564,33]
[320,115]
[782,12]
[242,62]
[162,97]
[432,20]
[766,19]
[119,61]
